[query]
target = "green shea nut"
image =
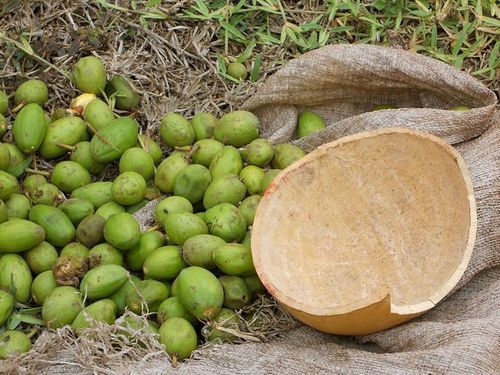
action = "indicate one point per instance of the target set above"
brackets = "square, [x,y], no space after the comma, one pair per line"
[75,249]
[4,104]
[3,212]
[6,306]
[248,207]
[205,150]
[181,226]
[29,128]
[269,176]
[76,209]
[308,123]
[97,193]
[146,296]
[226,318]
[286,154]
[120,296]
[198,250]
[152,192]
[41,258]
[203,124]
[43,284]
[254,285]
[132,323]
[148,242]
[171,308]
[227,188]
[45,193]
[15,277]
[61,306]
[66,131]
[59,112]
[234,259]
[237,70]
[128,188]
[151,147]
[236,293]
[176,131]
[173,289]
[114,139]
[83,156]
[59,230]
[103,281]
[179,338]
[13,343]
[19,235]
[4,157]
[90,230]
[3,126]
[237,128]
[122,231]
[200,292]
[125,95]
[104,253]
[164,263]
[226,222]
[170,205]
[9,185]
[32,91]
[137,160]
[192,182]
[167,172]
[227,161]
[89,75]
[109,209]
[252,177]
[31,182]
[103,310]
[69,175]
[98,114]
[18,205]
[17,160]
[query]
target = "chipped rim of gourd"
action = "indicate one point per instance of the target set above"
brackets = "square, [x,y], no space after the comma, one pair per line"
[383,292]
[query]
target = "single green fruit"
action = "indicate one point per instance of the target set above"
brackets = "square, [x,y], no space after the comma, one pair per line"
[69,269]
[41,258]
[237,128]
[122,231]
[286,154]
[4,103]
[104,253]
[236,293]
[152,192]
[76,209]
[125,95]
[61,306]
[75,249]
[173,289]
[151,147]
[17,163]
[65,131]
[133,323]
[97,193]
[109,209]
[171,308]
[269,176]
[252,177]
[13,343]
[180,226]
[32,91]
[234,259]
[29,128]
[90,230]
[200,292]
[9,185]
[69,175]
[179,338]
[201,215]
[32,181]
[59,230]
[175,130]
[192,182]
[6,306]
[148,242]
[20,235]
[3,212]
[203,124]
[198,250]
[59,112]
[136,207]
[120,134]
[167,172]
[102,281]
[171,205]
[89,75]
[98,114]
[227,188]
[460,108]
[248,208]
[18,206]
[146,296]
[120,296]
[83,156]
[226,222]
[15,277]
[128,188]
[237,70]
[308,123]
[103,310]
[164,263]
[3,126]
[254,285]
[43,284]
[204,151]
[227,161]
[137,160]
[45,193]
[226,318]
[4,156]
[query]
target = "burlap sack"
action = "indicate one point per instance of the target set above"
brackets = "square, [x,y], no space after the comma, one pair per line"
[461,335]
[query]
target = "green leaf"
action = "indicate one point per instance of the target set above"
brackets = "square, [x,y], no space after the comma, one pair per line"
[19,169]
[26,318]
[254,75]
[221,63]
[232,30]
[245,55]
[153,3]
[434,36]
[202,8]
[458,43]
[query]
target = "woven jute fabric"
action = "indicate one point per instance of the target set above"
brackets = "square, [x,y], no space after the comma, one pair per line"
[343,83]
